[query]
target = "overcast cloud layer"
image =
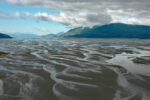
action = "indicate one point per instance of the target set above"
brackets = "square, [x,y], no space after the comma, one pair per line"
[77,13]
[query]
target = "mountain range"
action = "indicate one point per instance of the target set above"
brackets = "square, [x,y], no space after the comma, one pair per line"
[113,30]
[23,35]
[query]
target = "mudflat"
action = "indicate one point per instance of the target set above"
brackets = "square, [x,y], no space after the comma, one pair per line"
[75,69]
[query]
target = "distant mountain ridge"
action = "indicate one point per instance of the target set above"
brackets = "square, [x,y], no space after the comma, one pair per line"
[23,35]
[4,36]
[51,35]
[113,30]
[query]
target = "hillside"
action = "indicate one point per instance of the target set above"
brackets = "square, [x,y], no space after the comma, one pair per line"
[114,30]
[3,36]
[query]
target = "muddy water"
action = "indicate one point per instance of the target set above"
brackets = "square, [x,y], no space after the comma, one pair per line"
[74,69]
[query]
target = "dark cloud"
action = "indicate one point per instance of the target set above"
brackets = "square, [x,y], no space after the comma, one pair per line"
[92,12]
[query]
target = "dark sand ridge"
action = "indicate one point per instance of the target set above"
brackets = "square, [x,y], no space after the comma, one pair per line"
[3,53]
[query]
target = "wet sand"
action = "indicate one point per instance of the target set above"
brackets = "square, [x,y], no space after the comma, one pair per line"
[142,60]
[71,69]
[3,53]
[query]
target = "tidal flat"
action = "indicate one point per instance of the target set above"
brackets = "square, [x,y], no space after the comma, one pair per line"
[75,69]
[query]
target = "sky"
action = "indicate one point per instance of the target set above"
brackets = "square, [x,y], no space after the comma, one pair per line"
[43,17]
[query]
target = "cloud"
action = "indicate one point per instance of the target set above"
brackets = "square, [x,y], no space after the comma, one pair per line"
[129,17]
[76,13]
[4,15]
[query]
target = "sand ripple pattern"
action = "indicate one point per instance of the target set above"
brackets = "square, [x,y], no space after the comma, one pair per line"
[71,69]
